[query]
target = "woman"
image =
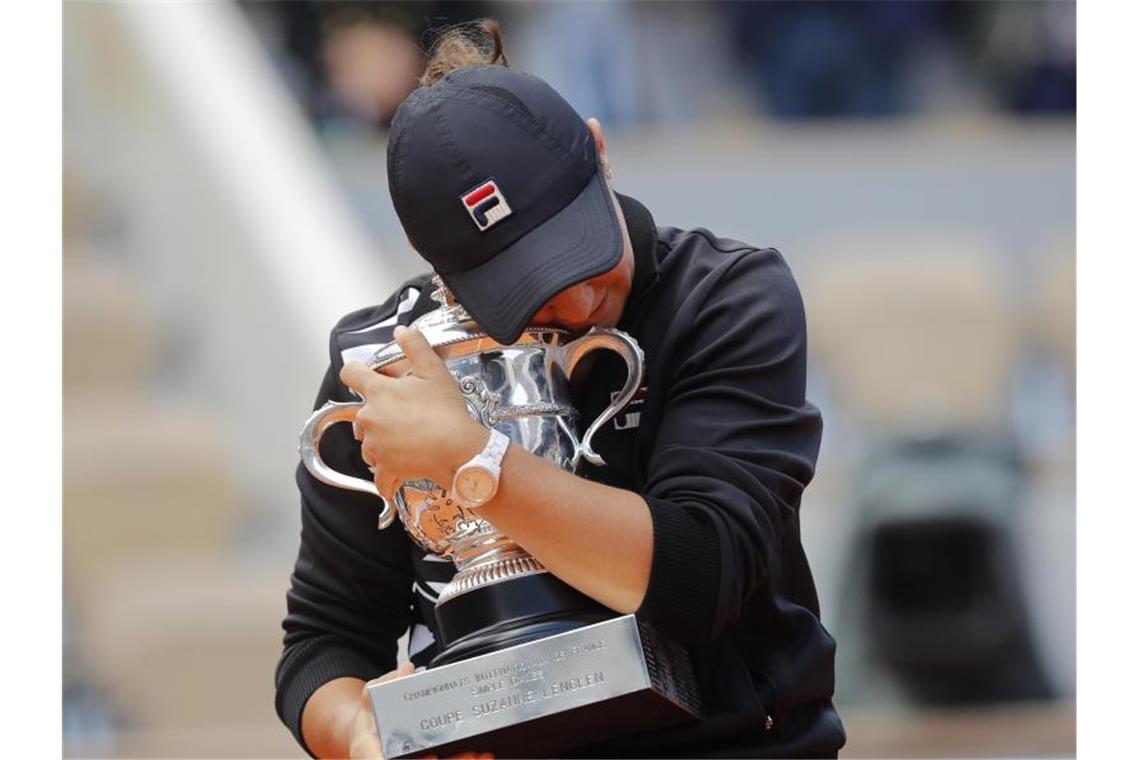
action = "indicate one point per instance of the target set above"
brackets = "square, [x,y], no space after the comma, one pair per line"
[693,524]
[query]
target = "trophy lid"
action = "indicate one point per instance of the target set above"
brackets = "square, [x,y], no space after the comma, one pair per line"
[451,331]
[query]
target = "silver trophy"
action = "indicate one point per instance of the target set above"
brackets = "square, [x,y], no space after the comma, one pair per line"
[503,609]
[523,391]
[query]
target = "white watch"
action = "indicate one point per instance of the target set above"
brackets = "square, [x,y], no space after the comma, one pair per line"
[477,481]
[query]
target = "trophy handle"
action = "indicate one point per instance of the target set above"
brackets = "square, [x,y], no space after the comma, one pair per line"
[627,347]
[315,427]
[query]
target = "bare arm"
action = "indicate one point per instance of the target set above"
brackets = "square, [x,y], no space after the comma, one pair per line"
[329,715]
[337,720]
[597,538]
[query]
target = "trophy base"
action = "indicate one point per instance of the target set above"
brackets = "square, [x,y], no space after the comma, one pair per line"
[509,613]
[543,698]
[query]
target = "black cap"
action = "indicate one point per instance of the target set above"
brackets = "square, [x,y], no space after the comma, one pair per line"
[499,185]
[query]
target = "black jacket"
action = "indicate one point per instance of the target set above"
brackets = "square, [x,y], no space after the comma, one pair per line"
[720,442]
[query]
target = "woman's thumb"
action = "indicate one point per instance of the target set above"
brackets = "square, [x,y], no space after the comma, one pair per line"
[405,668]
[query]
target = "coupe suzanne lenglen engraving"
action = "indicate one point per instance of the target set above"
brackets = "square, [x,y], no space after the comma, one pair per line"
[535,699]
[523,683]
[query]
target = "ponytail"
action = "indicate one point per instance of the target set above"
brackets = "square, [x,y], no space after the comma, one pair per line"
[471,44]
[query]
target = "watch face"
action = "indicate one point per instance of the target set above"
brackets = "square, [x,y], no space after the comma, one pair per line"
[474,484]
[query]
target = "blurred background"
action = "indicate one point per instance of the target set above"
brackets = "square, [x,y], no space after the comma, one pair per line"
[225,201]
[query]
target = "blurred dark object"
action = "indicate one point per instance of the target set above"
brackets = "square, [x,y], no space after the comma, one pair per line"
[944,610]
[371,62]
[826,59]
[874,58]
[921,342]
[1022,52]
[351,63]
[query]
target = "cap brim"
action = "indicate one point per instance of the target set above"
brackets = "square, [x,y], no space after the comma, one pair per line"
[581,241]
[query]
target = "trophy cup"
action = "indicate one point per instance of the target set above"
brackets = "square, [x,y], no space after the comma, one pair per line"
[528,666]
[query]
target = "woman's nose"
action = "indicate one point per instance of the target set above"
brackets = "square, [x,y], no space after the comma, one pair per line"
[572,306]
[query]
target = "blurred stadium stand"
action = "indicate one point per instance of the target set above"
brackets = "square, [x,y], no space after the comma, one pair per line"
[915,328]
[922,191]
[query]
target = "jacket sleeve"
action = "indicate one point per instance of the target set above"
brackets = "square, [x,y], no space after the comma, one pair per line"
[351,589]
[736,445]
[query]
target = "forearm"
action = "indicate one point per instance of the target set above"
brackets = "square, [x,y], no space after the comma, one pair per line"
[328,715]
[597,538]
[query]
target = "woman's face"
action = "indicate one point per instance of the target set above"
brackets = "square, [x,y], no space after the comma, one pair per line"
[598,301]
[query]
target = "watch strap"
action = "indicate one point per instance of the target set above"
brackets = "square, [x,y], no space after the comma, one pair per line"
[492,454]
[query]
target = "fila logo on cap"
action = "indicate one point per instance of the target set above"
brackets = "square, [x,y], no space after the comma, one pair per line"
[486,205]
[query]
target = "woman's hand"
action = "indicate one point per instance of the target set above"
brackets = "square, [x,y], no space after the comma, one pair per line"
[363,738]
[415,426]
